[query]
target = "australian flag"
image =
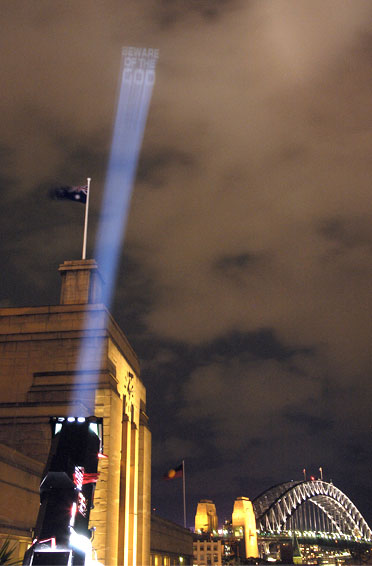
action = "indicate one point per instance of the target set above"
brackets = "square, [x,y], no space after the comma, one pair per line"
[79,194]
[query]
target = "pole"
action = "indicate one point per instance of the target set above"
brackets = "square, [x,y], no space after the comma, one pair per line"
[184,493]
[84,252]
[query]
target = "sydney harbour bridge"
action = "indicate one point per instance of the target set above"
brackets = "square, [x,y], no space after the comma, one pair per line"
[313,512]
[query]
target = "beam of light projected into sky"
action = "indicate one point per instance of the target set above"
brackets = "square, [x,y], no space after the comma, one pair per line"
[137,81]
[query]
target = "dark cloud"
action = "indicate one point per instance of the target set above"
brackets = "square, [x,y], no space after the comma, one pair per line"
[260,344]
[172,12]
[241,261]
[348,232]
[312,424]
[155,167]
[234,380]
[134,299]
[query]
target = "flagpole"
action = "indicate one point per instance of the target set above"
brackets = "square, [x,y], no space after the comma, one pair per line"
[184,493]
[84,252]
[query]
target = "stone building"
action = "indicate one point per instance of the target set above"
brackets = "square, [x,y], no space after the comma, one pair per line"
[236,541]
[208,551]
[72,359]
[206,519]
[243,516]
[171,544]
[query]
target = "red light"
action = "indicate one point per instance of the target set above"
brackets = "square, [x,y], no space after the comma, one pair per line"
[102,455]
[312,478]
[90,478]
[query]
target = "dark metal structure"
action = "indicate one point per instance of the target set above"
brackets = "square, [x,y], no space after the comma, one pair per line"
[315,506]
[62,535]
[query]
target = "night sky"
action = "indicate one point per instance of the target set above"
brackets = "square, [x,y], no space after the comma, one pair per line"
[245,282]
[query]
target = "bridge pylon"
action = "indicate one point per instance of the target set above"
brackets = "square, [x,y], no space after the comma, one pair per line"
[243,516]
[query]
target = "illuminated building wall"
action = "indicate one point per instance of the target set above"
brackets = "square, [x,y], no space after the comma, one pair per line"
[208,552]
[39,349]
[19,490]
[243,516]
[171,544]
[243,527]
[206,519]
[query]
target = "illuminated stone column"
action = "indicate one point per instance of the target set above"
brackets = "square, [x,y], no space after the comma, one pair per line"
[126,455]
[206,519]
[105,515]
[123,519]
[243,516]
[144,490]
[133,497]
[81,282]
[123,527]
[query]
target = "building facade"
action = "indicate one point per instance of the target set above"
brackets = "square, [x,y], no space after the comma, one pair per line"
[72,359]
[236,541]
[171,544]
[208,551]
[206,519]
[243,516]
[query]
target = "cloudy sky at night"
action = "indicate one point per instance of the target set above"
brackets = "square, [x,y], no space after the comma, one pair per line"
[245,278]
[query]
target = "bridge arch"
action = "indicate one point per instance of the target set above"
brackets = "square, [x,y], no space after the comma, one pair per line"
[298,504]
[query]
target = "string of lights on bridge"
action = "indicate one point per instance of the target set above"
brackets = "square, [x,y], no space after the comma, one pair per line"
[299,534]
[314,534]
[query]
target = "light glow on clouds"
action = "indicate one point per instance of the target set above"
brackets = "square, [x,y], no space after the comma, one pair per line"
[137,81]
